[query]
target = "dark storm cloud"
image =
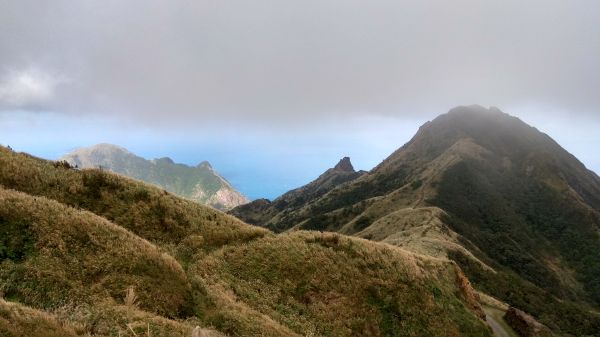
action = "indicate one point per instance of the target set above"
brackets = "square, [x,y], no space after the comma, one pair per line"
[182,61]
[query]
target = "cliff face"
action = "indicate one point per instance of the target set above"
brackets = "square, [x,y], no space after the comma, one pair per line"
[201,183]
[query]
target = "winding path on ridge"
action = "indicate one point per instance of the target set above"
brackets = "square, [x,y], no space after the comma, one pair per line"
[493,317]
[496,327]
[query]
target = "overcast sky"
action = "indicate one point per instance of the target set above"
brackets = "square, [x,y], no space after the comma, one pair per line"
[278,91]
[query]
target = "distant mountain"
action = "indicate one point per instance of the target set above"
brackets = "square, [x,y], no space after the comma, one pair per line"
[516,211]
[269,214]
[201,183]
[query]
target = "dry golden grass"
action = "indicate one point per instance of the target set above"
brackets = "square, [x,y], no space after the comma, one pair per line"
[130,299]
[20,321]
[145,210]
[420,230]
[109,256]
[332,285]
[77,256]
[109,319]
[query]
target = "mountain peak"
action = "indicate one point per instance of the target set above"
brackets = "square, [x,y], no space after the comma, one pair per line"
[204,164]
[490,128]
[344,165]
[477,115]
[474,108]
[107,147]
[102,154]
[166,160]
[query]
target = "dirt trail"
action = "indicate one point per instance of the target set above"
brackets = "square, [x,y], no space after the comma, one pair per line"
[499,331]
[493,318]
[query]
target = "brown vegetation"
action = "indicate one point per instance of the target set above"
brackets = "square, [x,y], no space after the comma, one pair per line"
[95,254]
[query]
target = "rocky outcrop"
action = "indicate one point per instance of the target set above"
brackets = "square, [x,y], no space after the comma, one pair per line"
[525,325]
[468,294]
[344,165]
[226,198]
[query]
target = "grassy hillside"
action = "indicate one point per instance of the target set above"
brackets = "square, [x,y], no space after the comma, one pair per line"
[20,321]
[88,274]
[95,254]
[104,319]
[526,226]
[149,212]
[52,253]
[332,285]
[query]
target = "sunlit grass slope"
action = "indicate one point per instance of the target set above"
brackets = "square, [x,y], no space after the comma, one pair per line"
[92,253]
[20,321]
[333,285]
[53,254]
[147,211]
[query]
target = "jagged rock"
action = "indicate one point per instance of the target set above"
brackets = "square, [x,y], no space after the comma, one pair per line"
[525,325]
[344,165]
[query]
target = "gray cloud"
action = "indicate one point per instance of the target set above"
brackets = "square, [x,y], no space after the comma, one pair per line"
[290,61]
[28,89]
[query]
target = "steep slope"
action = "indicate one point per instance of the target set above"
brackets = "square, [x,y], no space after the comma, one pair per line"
[52,252]
[519,213]
[81,275]
[269,214]
[100,254]
[145,210]
[367,290]
[201,183]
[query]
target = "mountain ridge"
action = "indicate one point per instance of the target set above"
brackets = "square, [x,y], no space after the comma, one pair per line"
[199,183]
[341,173]
[499,197]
